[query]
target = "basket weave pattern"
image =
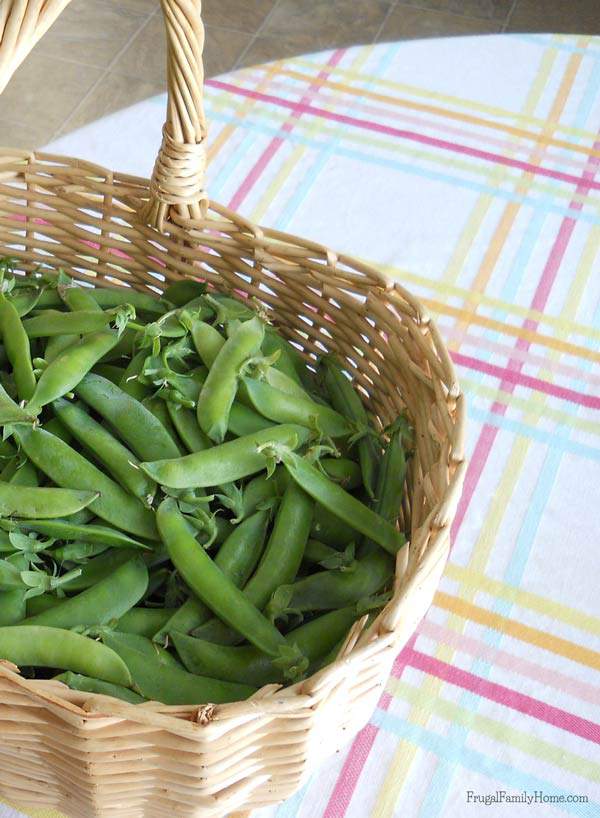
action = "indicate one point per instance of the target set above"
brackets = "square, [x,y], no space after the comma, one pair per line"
[89,755]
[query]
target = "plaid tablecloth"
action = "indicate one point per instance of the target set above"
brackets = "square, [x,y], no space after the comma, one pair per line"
[469,169]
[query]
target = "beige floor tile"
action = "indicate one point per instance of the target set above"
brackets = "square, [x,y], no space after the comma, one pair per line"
[91,33]
[222,49]
[44,92]
[327,23]
[487,9]
[17,135]
[243,16]
[269,49]
[406,23]
[566,16]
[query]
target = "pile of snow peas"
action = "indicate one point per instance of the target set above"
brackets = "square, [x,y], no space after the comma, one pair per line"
[189,508]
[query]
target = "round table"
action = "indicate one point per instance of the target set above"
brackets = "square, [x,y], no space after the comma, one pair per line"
[469,169]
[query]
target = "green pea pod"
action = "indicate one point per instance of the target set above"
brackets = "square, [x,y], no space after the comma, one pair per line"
[112,373]
[170,685]
[219,390]
[345,399]
[98,568]
[87,685]
[226,463]
[79,299]
[18,352]
[39,604]
[245,421]
[67,530]
[390,482]
[129,382]
[11,412]
[137,427]
[25,299]
[343,471]
[183,291]
[57,344]
[143,645]
[220,594]
[327,590]
[328,528]
[145,621]
[40,646]
[186,425]
[67,468]
[25,475]
[327,557]
[247,664]
[106,449]
[107,297]
[67,369]
[208,341]
[237,558]
[77,551]
[342,504]
[289,361]
[53,322]
[283,407]
[12,606]
[159,409]
[42,503]
[109,599]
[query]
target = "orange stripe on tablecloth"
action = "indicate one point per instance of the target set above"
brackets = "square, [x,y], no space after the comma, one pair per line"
[525,633]
[472,119]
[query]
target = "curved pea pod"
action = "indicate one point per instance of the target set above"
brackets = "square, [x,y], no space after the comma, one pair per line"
[107,297]
[38,604]
[226,463]
[145,621]
[170,685]
[143,645]
[25,475]
[77,551]
[79,298]
[245,421]
[85,684]
[343,471]
[208,341]
[237,558]
[328,528]
[229,309]
[10,411]
[343,505]
[67,530]
[12,606]
[129,383]
[327,557]
[109,599]
[137,427]
[245,663]
[158,408]
[220,594]
[40,646]
[18,352]
[282,407]
[53,322]
[185,423]
[327,590]
[113,455]
[263,491]
[219,390]
[66,467]
[98,569]
[25,299]
[68,368]
[183,291]
[290,361]
[112,373]
[39,503]
[390,482]
[57,344]
[345,399]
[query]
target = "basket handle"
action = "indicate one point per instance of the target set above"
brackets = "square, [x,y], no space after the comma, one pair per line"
[22,23]
[177,181]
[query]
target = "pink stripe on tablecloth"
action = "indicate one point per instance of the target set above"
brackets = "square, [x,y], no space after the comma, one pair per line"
[508,661]
[413,136]
[277,141]
[503,695]
[516,378]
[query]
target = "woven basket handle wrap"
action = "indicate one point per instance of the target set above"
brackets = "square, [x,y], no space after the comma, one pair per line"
[178,176]
[22,23]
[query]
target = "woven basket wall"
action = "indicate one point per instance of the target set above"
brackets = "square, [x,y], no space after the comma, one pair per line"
[90,755]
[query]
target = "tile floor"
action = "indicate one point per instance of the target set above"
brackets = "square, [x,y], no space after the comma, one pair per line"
[102,55]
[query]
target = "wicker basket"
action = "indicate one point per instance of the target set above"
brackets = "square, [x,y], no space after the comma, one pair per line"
[90,755]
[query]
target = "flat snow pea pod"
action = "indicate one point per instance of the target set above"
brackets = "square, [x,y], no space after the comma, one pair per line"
[237,558]
[53,322]
[87,685]
[170,685]
[42,503]
[98,568]
[18,352]
[208,341]
[106,449]
[185,423]
[342,504]
[345,399]
[137,427]
[247,664]
[226,463]
[12,606]
[327,590]
[109,599]
[390,482]
[68,368]
[145,621]
[107,297]
[66,467]
[67,530]
[41,646]
[25,475]
[183,291]
[283,407]
[219,593]
[220,387]
[25,299]
[10,411]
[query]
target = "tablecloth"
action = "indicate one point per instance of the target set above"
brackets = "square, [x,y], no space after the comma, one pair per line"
[468,169]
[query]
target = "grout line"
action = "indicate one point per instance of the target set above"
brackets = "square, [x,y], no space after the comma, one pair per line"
[384,21]
[509,15]
[257,33]
[460,15]
[64,127]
